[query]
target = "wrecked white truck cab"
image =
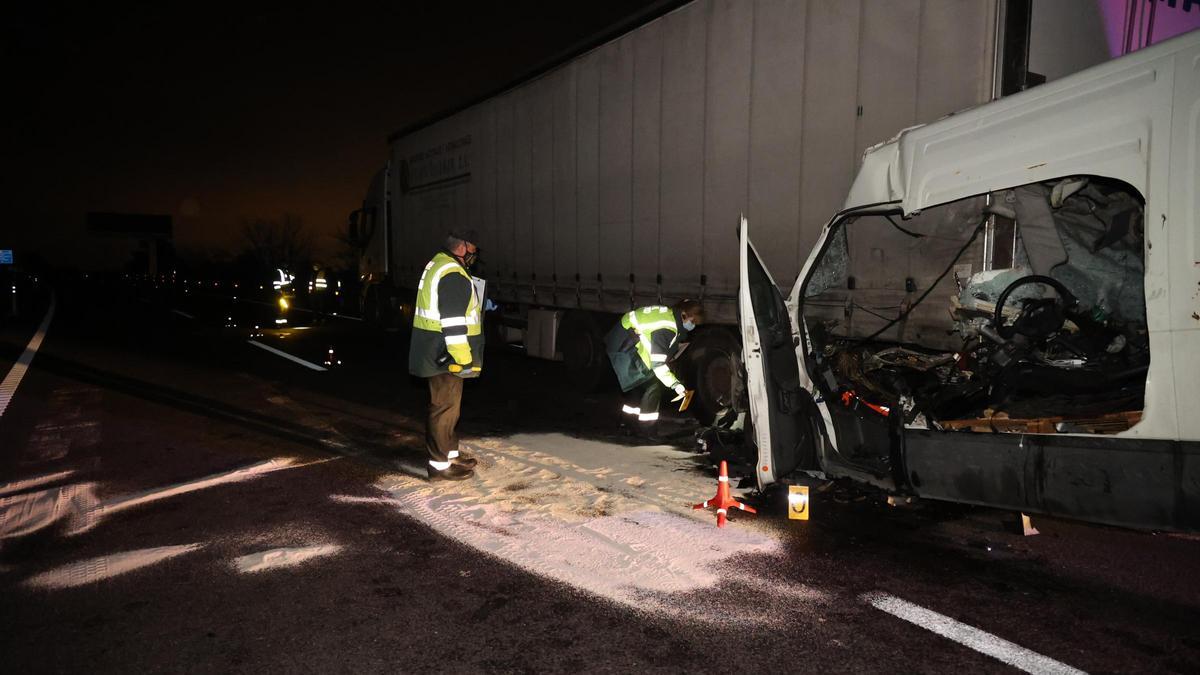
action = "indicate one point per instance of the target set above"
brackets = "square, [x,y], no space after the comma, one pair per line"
[1007,310]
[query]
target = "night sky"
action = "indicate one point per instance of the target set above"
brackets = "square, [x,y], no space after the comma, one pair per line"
[216,115]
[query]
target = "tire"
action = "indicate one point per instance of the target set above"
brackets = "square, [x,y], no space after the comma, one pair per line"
[582,345]
[713,358]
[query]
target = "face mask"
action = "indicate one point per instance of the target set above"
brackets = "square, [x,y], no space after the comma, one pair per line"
[470,259]
[689,326]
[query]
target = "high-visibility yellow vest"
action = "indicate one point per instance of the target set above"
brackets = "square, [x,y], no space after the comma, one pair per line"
[645,321]
[428,317]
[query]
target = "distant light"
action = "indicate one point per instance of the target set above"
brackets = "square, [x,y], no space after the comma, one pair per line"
[280,320]
[283,303]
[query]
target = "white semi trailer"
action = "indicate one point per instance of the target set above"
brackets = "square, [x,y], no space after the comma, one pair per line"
[615,177]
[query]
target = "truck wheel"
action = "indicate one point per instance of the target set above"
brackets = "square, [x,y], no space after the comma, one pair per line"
[712,355]
[582,347]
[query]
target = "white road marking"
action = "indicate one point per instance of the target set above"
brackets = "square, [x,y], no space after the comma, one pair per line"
[286,355]
[969,636]
[8,388]
[184,314]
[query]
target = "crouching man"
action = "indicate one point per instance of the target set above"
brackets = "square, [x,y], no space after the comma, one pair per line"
[639,348]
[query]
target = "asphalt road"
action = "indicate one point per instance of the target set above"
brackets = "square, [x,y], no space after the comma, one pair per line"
[173,452]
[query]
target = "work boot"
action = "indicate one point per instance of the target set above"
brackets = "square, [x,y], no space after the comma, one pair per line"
[455,472]
[466,460]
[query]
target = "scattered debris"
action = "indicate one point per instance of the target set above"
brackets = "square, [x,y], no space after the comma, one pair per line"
[1027,527]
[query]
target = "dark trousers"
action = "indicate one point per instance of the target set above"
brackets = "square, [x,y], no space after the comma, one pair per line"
[646,398]
[445,402]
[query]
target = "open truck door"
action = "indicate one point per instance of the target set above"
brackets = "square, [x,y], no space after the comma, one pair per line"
[781,411]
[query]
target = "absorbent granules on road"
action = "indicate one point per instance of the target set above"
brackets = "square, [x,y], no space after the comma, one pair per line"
[282,557]
[613,521]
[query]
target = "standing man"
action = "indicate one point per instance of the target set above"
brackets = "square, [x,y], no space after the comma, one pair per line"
[639,347]
[446,348]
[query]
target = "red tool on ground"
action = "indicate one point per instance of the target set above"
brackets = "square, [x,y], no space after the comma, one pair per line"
[723,501]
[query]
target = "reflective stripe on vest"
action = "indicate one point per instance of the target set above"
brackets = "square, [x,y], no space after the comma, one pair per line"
[427,316]
[644,322]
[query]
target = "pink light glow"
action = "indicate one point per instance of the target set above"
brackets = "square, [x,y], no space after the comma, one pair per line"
[1171,18]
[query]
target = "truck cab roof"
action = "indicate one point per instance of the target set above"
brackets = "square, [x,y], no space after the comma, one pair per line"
[1035,135]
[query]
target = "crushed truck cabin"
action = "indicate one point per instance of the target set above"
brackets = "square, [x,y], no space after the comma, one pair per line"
[1000,313]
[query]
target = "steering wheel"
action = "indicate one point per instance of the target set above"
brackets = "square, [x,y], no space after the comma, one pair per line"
[1039,318]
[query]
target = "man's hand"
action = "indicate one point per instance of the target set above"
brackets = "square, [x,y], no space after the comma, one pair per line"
[684,395]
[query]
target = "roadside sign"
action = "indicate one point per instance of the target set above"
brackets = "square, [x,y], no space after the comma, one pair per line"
[798,502]
[6,256]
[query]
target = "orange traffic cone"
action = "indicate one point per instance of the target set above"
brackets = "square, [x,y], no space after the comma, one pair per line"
[723,501]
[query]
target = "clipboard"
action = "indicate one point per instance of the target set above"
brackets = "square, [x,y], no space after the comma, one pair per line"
[480,287]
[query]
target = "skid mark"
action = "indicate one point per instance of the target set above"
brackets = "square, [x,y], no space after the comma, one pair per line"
[236,476]
[30,483]
[107,566]
[77,504]
[65,427]
[28,512]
